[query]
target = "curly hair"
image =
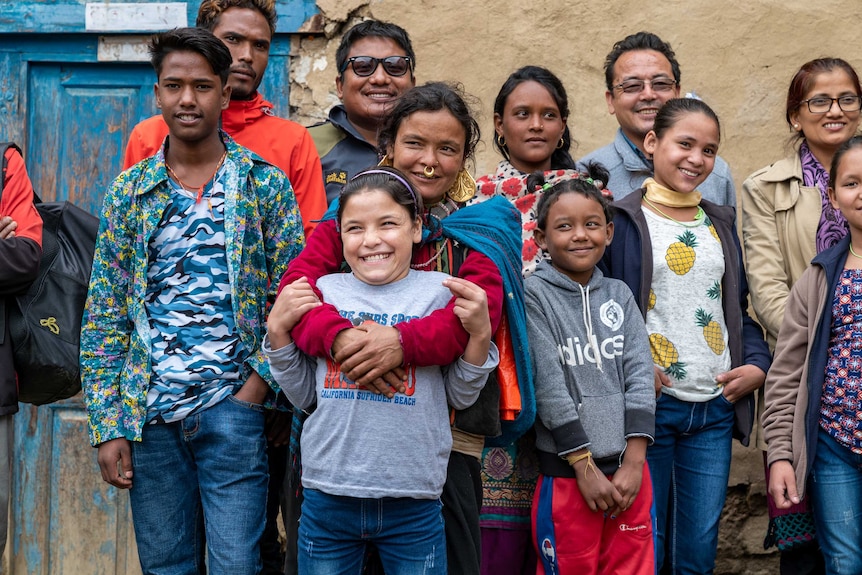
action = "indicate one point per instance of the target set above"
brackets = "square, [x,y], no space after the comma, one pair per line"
[211,10]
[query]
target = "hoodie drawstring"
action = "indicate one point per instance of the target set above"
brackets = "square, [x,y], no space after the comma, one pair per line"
[588,323]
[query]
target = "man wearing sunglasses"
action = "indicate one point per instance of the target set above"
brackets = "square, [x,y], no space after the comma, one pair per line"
[375,62]
[641,73]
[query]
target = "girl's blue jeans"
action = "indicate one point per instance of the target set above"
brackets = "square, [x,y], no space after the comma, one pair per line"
[334,532]
[690,465]
[836,499]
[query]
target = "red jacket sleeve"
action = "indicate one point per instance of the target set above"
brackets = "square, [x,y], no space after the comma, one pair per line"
[323,254]
[19,255]
[307,179]
[439,338]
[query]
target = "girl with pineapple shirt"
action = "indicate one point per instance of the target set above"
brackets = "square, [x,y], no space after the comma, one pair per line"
[594,392]
[680,256]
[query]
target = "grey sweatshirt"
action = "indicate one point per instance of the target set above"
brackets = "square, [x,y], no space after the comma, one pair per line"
[360,444]
[593,368]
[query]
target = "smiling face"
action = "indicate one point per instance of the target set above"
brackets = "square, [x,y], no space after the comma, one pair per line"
[575,236]
[846,196]
[531,125]
[685,154]
[826,132]
[378,237]
[436,139]
[247,35]
[367,99]
[191,96]
[636,112]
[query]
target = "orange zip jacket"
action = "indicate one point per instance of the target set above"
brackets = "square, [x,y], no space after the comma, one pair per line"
[253,124]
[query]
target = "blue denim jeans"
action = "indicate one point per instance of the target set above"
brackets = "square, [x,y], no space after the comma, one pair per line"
[836,499]
[334,532]
[200,485]
[690,464]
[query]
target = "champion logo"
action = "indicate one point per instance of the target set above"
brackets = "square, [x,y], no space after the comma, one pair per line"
[626,527]
[550,554]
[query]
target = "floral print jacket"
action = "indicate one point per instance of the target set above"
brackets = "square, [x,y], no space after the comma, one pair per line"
[263,232]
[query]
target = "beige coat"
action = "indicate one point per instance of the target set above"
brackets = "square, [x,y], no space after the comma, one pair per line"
[784,419]
[779,225]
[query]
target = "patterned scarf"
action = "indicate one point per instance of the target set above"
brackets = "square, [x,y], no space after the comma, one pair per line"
[833,225]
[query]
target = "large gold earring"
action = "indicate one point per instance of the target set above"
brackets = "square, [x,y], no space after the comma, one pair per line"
[385,161]
[501,141]
[561,144]
[464,187]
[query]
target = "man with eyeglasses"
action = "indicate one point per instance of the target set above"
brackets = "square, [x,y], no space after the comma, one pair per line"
[641,74]
[375,62]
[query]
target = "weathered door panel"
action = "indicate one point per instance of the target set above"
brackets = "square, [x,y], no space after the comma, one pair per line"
[66,520]
[80,117]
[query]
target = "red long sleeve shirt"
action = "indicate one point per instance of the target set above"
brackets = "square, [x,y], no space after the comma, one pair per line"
[438,339]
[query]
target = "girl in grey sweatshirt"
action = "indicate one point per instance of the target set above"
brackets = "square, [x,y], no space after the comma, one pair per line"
[595,400]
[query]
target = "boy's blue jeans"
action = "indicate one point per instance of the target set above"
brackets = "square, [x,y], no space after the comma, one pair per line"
[334,532]
[201,484]
[690,465]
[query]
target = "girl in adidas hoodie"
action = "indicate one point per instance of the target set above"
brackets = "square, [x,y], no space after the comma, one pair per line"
[594,393]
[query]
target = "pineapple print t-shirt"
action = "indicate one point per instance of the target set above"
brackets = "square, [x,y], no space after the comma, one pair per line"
[685,319]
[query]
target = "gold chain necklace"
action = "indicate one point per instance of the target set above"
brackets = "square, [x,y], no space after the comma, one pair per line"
[698,217]
[854,253]
[200,190]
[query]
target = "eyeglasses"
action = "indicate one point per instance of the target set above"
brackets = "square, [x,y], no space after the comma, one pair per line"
[822,104]
[637,86]
[365,66]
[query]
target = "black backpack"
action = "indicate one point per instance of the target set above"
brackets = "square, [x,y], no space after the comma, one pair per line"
[45,322]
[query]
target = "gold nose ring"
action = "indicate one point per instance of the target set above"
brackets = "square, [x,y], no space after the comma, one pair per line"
[428,171]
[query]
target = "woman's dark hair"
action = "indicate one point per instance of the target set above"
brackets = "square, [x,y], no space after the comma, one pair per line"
[675,109]
[385,179]
[804,79]
[585,185]
[197,40]
[431,97]
[561,159]
[852,143]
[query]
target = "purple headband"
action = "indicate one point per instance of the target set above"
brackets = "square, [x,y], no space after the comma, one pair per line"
[397,177]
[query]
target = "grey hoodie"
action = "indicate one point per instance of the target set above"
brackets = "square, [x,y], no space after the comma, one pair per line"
[593,368]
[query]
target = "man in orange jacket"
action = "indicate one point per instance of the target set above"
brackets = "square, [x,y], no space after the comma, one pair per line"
[247,32]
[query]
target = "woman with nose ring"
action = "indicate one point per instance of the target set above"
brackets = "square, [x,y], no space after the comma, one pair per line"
[429,136]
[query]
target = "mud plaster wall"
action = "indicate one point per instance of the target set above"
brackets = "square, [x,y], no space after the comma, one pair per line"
[737,55]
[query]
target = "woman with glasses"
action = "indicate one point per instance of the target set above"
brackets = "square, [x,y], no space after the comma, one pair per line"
[786,220]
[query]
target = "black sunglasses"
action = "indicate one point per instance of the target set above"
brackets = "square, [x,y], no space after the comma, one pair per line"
[364,66]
